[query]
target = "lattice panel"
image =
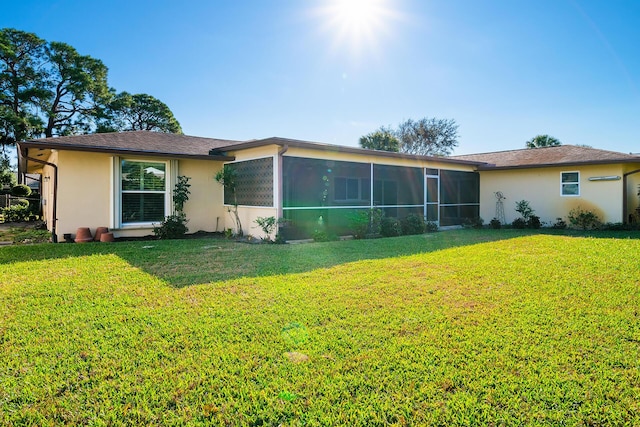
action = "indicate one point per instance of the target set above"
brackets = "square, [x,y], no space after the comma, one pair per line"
[254,183]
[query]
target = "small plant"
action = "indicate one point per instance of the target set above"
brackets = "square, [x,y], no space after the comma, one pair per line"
[267,225]
[430,227]
[527,213]
[227,177]
[413,224]
[390,227]
[320,236]
[534,222]
[560,224]
[476,222]
[583,219]
[495,224]
[228,233]
[174,226]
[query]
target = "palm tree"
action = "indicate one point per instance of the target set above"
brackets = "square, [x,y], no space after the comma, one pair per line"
[542,141]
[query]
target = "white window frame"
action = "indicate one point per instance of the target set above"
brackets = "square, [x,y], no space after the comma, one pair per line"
[361,188]
[563,184]
[169,182]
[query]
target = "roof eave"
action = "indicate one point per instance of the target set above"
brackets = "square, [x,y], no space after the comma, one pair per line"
[340,149]
[489,167]
[102,149]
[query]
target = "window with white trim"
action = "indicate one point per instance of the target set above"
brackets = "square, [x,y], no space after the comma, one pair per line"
[144,198]
[570,183]
[351,189]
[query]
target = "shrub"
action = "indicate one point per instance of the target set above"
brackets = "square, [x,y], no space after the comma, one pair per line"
[473,222]
[267,225]
[21,190]
[583,219]
[519,223]
[173,227]
[431,227]
[412,224]
[495,223]
[534,222]
[524,209]
[17,213]
[560,224]
[390,227]
[366,222]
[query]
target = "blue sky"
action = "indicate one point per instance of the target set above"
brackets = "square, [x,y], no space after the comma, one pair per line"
[305,69]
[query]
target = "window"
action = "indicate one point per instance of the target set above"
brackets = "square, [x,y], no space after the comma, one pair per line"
[570,183]
[351,189]
[143,191]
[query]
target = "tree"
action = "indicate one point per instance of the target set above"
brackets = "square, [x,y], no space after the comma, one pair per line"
[48,88]
[428,136]
[76,91]
[382,139]
[22,56]
[227,177]
[542,141]
[128,112]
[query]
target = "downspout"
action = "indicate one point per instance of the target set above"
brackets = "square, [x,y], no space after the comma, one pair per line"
[281,151]
[54,235]
[625,213]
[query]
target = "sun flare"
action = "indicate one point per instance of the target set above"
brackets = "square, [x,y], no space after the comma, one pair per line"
[357,25]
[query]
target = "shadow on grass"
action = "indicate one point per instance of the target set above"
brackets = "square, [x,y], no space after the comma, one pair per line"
[195,261]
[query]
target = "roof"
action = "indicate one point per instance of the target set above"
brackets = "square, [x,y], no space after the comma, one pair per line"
[339,148]
[563,155]
[136,142]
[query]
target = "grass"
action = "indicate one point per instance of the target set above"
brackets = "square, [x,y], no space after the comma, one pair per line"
[461,328]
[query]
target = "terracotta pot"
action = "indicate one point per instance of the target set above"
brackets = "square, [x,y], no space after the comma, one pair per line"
[83,235]
[99,232]
[106,237]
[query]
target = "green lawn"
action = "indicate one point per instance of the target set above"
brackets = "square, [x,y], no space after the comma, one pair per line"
[455,328]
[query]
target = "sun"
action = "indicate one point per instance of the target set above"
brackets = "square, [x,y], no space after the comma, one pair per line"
[358,25]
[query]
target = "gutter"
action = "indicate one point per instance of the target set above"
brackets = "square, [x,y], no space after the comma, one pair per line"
[54,235]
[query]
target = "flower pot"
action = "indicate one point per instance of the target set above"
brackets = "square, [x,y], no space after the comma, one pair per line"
[83,235]
[99,232]
[106,237]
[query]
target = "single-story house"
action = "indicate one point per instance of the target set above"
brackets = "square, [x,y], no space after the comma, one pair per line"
[556,180]
[125,180]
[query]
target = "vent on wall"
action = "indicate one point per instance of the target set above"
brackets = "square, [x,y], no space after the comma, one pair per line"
[605,178]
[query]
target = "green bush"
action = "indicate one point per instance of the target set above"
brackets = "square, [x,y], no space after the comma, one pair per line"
[364,223]
[173,227]
[473,222]
[17,213]
[390,227]
[21,190]
[560,224]
[267,225]
[413,224]
[583,219]
[495,223]
[534,222]
[519,223]
[430,227]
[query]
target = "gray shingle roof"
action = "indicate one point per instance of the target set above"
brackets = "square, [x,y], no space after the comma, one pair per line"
[135,142]
[548,156]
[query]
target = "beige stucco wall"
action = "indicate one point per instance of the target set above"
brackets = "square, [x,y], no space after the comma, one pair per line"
[204,208]
[541,187]
[86,192]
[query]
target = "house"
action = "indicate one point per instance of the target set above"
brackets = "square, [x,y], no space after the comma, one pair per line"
[125,181]
[115,180]
[556,180]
